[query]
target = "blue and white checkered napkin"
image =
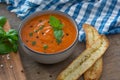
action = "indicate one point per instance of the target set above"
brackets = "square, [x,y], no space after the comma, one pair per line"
[104,15]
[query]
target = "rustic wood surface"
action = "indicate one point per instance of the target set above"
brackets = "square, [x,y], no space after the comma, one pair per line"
[10,64]
[37,71]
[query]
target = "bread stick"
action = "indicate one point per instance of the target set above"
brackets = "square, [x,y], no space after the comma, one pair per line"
[95,71]
[85,60]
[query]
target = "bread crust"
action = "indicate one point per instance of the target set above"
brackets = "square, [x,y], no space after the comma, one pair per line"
[85,60]
[95,71]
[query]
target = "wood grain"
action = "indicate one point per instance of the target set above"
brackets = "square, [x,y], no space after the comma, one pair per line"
[10,64]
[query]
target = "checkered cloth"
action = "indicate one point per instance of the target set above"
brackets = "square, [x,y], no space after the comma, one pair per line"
[104,15]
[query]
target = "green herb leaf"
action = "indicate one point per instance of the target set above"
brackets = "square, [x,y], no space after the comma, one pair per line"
[33,43]
[55,23]
[8,40]
[2,33]
[12,37]
[5,48]
[58,35]
[13,34]
[2,21]
[15,47]
[14,44]
[57,27]
[30,34]
[45,46]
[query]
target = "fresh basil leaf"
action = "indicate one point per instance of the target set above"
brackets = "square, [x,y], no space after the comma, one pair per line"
[2,32]
[5,48]
[2,21]
[55,23]
[60,26]
[57,27]
[15,47]
[13,34]
[58,35]
[8,40]
[14,44]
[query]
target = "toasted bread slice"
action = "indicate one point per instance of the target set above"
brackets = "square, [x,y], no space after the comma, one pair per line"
[95,71]
[85,60]
[91,34]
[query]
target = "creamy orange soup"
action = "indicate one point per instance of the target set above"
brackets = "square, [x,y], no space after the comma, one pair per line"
[38,35]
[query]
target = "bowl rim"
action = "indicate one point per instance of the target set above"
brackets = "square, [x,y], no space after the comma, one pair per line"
[47,12]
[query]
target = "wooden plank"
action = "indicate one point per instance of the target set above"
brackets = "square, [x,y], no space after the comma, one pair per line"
[10,64]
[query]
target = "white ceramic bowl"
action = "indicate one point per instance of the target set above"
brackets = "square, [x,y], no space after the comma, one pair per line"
[48,58]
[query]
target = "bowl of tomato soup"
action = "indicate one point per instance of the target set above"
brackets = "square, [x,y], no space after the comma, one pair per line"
[48,36]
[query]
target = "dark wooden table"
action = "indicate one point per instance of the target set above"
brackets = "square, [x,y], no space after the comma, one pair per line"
[37,71]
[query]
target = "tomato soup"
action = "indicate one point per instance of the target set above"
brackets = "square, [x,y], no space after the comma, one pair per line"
[39,35]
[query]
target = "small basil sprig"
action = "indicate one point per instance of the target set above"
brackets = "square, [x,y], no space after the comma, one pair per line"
[58,35]
[2,21]
[8,40]
[57,27]
[12,36]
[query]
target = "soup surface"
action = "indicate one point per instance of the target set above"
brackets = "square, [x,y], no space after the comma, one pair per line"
[39,36]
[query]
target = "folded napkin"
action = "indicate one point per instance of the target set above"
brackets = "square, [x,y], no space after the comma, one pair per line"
[104,15]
